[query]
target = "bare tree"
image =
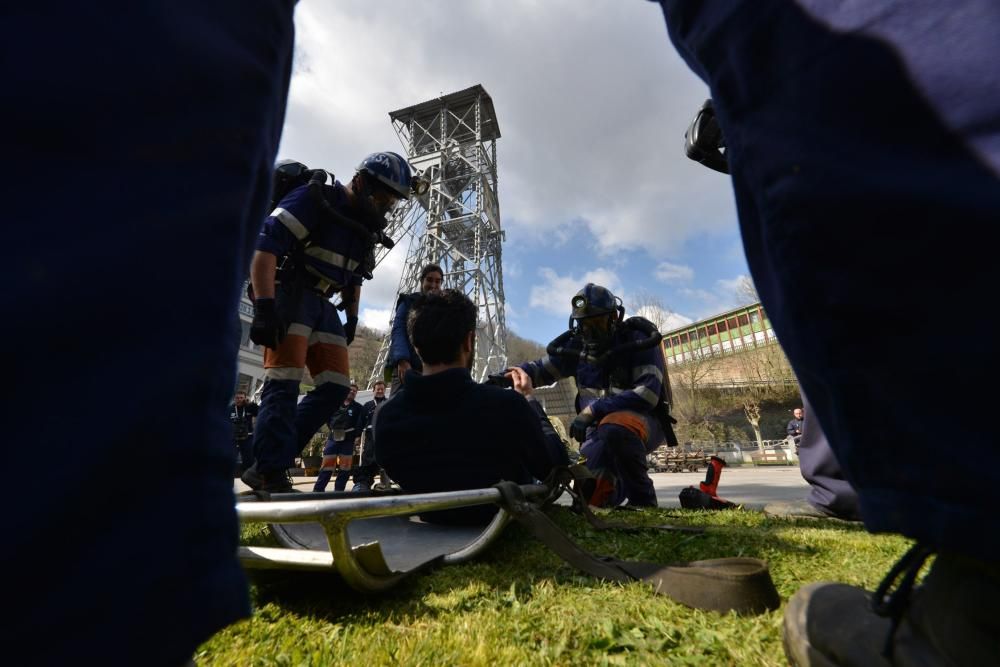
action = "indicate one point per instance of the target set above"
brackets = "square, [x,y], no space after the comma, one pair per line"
[648,305]
[746,291]
[765,373]
[687,379]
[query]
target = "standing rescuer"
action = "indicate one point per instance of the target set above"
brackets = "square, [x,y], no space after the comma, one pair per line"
[318,241]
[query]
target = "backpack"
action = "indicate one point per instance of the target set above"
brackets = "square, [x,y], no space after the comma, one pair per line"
[288,175]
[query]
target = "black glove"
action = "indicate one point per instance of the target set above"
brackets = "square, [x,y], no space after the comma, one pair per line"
[350,329]
[578,429]
[267,329]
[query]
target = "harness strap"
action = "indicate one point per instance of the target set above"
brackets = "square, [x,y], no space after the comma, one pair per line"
[742,585]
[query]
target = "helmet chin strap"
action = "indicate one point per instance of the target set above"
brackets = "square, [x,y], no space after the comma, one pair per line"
[365,203]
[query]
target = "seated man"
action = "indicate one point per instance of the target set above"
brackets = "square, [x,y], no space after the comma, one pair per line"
[444,432]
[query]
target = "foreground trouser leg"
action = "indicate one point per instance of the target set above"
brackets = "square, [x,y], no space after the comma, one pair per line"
[805,159]
[154,572]
[275,426]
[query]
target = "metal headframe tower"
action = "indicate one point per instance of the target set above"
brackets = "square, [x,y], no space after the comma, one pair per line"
[451,140]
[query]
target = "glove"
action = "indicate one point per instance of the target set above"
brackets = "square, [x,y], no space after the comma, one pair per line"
[350,329]
[578,429]
[267,329]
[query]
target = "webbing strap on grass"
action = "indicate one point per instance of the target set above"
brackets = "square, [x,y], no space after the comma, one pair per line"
[742,585]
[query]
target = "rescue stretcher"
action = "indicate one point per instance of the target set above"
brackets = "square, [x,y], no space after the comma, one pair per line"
[372,540]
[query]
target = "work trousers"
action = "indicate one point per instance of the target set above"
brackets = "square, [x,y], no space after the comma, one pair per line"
[865,151]
[315,339]
[139,140]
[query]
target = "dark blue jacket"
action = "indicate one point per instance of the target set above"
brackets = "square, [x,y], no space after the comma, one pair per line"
[367,417]
[350,419]
[635,383]
[333,252]
[242,419]
[444,432]
[400,347]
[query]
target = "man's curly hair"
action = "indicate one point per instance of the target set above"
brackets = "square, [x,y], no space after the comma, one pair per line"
[438,323]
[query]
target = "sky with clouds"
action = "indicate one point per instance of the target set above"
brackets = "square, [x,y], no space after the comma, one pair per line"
[592,101]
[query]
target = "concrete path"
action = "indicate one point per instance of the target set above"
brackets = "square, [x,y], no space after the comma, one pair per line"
[746,485]
[749,486]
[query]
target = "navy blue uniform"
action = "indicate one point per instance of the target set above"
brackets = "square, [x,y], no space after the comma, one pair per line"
[333,256]
[444,432]
[345,426]
[865,153]
[242,419]
[364,474]
[620,400]
[161,121]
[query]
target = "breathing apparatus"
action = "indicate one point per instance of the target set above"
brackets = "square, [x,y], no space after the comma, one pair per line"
[592,343]
[597,316]
[704,142]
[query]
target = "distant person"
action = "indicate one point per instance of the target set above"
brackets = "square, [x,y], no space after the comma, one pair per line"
[843,205]
[323,238]
[402,355]
[364,474]
[794,427]
[623,393]
[139,140]
[444,432]
[241,414]
[345,436]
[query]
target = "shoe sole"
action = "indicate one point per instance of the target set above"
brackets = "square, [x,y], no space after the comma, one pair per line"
[798,649]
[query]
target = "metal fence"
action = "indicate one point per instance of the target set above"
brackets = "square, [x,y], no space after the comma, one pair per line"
[693,455]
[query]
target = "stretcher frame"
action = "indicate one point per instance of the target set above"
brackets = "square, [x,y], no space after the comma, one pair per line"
[362,563]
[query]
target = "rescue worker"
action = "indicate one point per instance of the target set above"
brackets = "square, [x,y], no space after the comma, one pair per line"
[364,474]
[622,399]
[241,414]
[314,231]
[345,435]
[402,355]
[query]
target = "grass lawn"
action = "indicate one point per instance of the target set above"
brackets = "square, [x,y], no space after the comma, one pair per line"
[520,604]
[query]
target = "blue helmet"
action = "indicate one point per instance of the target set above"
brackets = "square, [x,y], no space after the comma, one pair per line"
[390,170]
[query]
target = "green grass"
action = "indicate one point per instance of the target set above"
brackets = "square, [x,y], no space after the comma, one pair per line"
[519,604]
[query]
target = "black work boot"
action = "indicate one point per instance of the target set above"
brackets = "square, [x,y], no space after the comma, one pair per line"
[952,618]
[276,481]
[802,509]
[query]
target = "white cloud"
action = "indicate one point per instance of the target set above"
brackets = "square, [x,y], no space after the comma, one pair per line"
[674,273]
[663,318]
[380,292]
[591,101]
[375,318]
[555,292]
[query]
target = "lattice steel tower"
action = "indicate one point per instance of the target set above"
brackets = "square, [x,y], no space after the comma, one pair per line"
[456,224]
